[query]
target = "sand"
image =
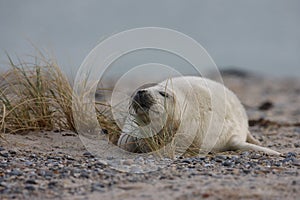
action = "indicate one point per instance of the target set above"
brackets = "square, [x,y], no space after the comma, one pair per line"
[57,165]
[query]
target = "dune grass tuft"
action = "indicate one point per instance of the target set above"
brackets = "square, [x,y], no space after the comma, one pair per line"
[37,97]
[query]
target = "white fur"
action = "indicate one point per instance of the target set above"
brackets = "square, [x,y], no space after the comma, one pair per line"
[211,116]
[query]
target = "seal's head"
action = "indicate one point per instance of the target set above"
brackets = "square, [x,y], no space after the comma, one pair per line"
[151,102]
[152,113]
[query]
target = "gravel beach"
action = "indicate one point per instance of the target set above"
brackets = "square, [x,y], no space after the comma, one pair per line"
[56,164]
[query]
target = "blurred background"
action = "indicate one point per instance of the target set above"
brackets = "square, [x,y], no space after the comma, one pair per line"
[255,35]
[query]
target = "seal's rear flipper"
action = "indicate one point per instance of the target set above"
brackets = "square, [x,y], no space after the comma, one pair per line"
[252,140]
[244,146]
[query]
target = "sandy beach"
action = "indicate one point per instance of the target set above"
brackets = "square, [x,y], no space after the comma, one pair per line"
[41,165]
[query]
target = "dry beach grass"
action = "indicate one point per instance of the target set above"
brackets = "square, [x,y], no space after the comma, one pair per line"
[38,97]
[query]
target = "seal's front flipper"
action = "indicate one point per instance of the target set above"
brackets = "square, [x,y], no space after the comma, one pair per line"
[128,143]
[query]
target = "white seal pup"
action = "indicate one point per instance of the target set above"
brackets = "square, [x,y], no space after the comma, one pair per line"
[191,112]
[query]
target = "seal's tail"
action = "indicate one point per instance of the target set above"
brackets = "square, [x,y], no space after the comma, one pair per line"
[251,139]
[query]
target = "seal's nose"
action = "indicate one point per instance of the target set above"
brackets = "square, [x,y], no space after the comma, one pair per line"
[141,92]
[143,99]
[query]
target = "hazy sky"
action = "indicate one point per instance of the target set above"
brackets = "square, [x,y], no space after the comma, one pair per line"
[260,35]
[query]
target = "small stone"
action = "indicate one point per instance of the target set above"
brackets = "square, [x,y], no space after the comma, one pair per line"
[52,184]
[30,181]
[297,145]
[128,162]
[267,105]
[16,172]
[296,163]
[4,154]
[28,163]
[140,160]
[188,161]
[277,164]
[2,149]
[245,153]
[29,187]
[3,165]
[291,154]
[297,129]
[288,159]
[98,187]
[150,156]
[12,152]
[227,163]
[4,184]
[84,174]
[202,158]
[136,169]
[88,155]
[205,195]
[32,156]
[221,157]
[234,157]
[45,173]
[69,157]
[246,171]
[256,156]
[57,158]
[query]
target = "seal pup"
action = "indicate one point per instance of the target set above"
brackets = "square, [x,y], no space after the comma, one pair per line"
[188,112]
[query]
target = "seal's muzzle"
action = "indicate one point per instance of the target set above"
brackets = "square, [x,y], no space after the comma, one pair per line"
[142,101]
[141,104]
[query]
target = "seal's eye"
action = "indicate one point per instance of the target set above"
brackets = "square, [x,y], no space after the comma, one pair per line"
[164,94]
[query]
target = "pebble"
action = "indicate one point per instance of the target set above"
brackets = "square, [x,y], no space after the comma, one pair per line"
[188,161]
[136,170]
[88,155]
[291,154]
[29,187]
[16,172]
[30,181]
[33,155]
[12,152]
[28,163]
[297,129]
[52,184]
[98,187]
[68,157]
[4,154]
[208,165]
[128,162]
[110,158]
[256,156]
[84,173]
[221,157]
[227,163]
[4,184]
[3,165]
[296,163]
